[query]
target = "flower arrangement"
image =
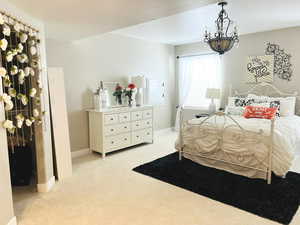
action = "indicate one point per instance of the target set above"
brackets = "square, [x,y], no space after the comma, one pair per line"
[118,93]
[130,91]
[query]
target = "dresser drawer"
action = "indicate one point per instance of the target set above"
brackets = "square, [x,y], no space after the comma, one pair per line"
[124,140]
[137,125]
[111,130]
[125,127]
[111,142]
[111,119]
[136,115]
[147,135]
[147,114]
[137,137]
[147,123]
[119,141]
[124,117]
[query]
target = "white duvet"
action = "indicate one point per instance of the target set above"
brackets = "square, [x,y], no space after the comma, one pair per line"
[286,138]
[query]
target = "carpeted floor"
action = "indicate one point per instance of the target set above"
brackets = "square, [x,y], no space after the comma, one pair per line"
[108,192]
[278,201]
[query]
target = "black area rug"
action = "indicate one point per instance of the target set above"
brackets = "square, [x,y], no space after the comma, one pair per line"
[278,201]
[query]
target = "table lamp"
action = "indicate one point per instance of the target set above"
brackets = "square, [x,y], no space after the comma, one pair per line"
[213,93]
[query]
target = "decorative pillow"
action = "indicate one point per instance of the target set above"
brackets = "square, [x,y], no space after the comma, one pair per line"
[286,105]
[236,105]
[259,112]
[272,104]
[242,102]
[258,99]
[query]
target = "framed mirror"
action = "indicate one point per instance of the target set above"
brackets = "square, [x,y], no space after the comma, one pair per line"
[113,100]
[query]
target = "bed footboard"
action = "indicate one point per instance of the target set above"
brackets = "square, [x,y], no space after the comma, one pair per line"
[220,137]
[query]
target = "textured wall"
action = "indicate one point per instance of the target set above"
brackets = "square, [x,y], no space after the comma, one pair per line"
[109,57]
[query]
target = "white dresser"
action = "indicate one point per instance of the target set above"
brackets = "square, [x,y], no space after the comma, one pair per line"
[117,128]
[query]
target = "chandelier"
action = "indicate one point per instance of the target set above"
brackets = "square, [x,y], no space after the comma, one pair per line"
[222,41]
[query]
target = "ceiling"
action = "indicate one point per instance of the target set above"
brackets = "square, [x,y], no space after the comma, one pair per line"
[251,16]
[77,19]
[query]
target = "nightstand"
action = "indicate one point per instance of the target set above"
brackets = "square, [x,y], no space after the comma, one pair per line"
[200,115]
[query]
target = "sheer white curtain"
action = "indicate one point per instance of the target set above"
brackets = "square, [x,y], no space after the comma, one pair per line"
[195,75]
[184,84]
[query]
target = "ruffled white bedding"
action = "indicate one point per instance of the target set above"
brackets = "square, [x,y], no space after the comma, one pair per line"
[286,140]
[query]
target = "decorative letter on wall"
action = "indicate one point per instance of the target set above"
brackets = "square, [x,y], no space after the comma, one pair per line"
[260,69]
[282,64]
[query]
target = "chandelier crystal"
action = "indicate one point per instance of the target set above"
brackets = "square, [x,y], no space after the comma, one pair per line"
[222,41]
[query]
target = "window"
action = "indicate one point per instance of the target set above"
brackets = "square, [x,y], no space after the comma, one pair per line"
[196,74]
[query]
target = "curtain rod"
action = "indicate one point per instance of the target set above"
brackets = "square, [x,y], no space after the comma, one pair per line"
[8,16]
[186,56]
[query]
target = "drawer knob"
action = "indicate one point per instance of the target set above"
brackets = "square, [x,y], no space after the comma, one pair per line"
[137,136]
[148,133]
[111,129]
[125,139]
[111,118]
[112,142]
[148,123]
[125,127]
[125,117]
[137,125]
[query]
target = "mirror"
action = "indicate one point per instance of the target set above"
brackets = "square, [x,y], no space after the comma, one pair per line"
[111,87]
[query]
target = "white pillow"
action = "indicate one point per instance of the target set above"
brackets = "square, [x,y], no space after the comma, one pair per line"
[234,110]
[287,106]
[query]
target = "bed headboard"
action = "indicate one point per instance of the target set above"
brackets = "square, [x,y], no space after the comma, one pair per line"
[265,89]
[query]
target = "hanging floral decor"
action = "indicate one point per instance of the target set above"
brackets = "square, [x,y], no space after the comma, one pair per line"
[19,74]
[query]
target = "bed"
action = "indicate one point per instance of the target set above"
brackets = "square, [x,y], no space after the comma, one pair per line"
[249,147]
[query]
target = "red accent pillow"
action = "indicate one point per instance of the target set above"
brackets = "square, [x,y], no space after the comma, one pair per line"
[260,112]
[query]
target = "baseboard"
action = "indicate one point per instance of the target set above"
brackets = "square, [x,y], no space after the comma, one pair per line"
[163,131]
[13,221]
[46,187]
[81,152]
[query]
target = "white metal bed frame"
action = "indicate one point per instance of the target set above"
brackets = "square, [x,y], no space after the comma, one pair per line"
[265,89]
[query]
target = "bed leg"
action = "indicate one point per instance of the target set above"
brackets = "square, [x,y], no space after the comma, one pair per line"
[180,154]
[271,152]
[269,176]
[269,179]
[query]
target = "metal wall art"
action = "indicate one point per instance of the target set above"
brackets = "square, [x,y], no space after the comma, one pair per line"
[282,62]
[260,69]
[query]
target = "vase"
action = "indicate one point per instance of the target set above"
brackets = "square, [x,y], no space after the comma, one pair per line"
[129,101]
[119,99]
[133,100]
[139,97]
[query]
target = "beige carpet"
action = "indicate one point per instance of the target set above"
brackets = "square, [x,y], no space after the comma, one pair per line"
[108,192]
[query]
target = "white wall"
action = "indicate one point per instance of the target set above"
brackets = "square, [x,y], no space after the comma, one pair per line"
[6,209]
[234,62]
[109,57]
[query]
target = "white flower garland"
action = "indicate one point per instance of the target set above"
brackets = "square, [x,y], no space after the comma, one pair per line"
[18,55]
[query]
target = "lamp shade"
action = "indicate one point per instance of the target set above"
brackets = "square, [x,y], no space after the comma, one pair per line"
[139,81]
[213,93]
